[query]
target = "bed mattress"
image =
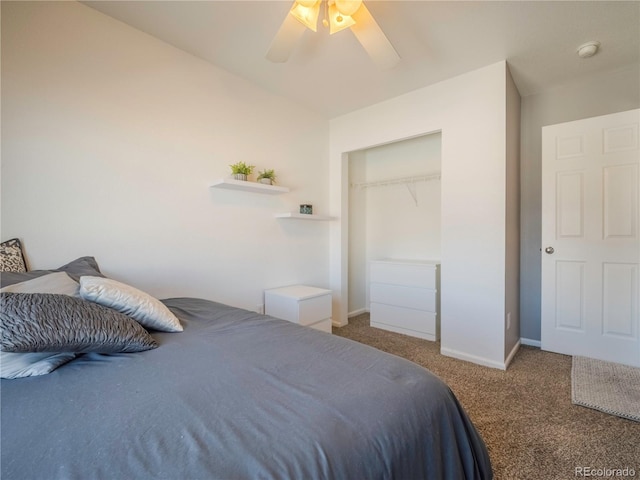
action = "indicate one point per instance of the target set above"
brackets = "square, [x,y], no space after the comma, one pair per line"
[238,395]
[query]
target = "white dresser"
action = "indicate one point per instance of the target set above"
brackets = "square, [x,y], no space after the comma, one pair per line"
[404,297]
[308,306]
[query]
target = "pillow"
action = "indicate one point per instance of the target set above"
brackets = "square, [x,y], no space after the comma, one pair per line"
[45,322]
[11,257]
[77,268]
[19,365]
[81,266]
[140,306]
[58,282]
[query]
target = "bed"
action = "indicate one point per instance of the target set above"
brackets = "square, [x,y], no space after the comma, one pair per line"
[234,395]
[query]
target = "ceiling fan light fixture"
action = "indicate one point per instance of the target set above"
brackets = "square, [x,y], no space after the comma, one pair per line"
[348,7]
[304,14]
[307,3]
[308,16]
[337,20]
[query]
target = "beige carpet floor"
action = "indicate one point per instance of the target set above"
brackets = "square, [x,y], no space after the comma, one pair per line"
[524,414]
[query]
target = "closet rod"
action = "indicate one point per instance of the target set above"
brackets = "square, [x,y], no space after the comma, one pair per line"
[396,181]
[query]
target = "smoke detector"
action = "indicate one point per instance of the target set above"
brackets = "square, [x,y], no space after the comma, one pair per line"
[588,49]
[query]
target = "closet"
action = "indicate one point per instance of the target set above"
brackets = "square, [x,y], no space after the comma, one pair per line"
[394,217]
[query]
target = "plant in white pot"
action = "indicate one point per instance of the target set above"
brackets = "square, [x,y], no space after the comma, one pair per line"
[267,177]
[240,170]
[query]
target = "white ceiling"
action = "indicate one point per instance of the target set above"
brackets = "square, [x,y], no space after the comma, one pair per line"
[435,39]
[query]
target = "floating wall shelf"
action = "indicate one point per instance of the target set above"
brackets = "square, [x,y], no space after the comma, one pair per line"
[247,186]
[302,216]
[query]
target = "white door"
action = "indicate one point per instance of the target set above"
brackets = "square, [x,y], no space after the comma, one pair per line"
[590,238]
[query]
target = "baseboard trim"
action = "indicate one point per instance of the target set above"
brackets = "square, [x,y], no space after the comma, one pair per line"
[485,362]
[512,354]
[338,324]
[531,343]
[357,312]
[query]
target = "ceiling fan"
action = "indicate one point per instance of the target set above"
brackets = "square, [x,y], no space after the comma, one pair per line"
[338,15]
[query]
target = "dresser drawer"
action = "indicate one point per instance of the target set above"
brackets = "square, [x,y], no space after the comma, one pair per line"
[408,274]
[315,309]
[410,297]
[404,318]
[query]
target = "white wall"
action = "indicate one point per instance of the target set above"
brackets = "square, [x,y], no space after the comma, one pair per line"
[512,279]
[110,139]
[357,256]
[386,222]
[470,111]
[599,94]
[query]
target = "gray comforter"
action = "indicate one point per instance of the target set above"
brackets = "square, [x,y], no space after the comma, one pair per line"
[238,395]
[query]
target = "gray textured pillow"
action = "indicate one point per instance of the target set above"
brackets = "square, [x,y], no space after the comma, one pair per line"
[42,322]
[18,365]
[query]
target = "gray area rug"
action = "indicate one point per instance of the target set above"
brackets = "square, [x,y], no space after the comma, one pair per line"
[608,387]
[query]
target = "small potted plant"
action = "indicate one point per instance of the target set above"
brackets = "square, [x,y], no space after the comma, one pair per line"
[267,176]
[241,170]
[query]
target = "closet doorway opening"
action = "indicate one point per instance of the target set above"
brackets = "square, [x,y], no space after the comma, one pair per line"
[394,209]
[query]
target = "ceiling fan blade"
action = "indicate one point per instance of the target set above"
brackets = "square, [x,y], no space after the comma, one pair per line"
[285,40]
[373,39]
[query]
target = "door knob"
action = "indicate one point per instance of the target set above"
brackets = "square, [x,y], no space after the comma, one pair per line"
[549,250]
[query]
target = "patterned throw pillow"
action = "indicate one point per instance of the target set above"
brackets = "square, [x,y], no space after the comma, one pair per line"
[11,257]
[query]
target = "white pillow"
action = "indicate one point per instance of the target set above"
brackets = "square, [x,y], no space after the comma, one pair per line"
[58,282]
[19,365]
[142,307]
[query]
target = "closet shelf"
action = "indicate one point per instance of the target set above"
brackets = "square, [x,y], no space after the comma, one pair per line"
[409,182]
